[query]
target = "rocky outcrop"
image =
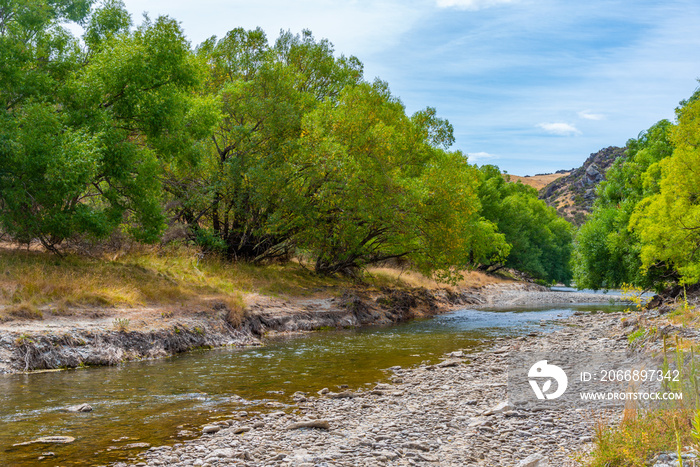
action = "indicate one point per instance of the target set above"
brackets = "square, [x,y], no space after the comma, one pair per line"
[573,195]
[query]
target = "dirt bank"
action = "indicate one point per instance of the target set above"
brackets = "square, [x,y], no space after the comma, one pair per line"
[95,337]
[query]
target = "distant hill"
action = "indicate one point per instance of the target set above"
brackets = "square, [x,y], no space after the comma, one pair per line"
[573,194]
[538,181]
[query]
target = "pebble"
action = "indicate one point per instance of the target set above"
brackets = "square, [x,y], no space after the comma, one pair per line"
[429,414]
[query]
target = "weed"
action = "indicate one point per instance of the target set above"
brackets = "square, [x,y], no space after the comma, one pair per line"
[638,334]
[24,310]
[121,324]
[236,310]
[23,339]
[635,295]
[644,432]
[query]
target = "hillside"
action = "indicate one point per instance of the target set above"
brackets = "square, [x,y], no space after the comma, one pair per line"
[573,194]
[538,181]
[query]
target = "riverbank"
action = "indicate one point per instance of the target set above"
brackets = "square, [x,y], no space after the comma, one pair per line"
[107,336]
[450,413]
[77,310]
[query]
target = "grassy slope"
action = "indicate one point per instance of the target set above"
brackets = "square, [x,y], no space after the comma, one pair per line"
[33,283]
[537,181]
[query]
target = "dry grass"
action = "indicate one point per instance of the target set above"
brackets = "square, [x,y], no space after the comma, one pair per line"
[641,436]
[666,426]
[31,281]
[38,279]
[537,181]
[404,278]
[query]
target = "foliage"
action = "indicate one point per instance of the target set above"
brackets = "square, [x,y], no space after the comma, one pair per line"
[668,222]
[607,252]
[263,92]
[647,431]
[81,151]
[540,240]
[631,293]
[262,150]
[372,186]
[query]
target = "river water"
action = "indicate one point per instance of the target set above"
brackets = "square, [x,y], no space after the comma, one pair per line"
[155,401]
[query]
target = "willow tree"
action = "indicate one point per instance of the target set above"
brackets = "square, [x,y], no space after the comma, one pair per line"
[231,197]
[82,153]
[608,252]
[374,184]
[540,241]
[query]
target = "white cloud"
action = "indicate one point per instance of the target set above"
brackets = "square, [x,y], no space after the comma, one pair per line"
[559,129]
[588,115]
[474,157]
[356,27]
[471,4]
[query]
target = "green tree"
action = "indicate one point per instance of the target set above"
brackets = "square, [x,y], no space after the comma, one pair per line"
[607,251]
[373,185]
[263,92]
[668,222]
[540,241]
[83,155]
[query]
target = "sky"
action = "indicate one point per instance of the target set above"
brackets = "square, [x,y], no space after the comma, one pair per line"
[532,86]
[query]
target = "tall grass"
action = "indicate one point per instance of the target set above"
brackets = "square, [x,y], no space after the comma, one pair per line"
[671,426]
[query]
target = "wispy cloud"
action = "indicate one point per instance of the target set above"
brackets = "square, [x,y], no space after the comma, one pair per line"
[588,115]
[474,157]
[559,129]
[471,4]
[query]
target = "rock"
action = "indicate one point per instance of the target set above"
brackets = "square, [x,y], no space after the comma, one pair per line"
[534,460]
[322,424]
[416,445]
[323,391]
[79,408]
[448,363]
[341,395]
[226,453]
[48,440]
[241,429]
[500,408]
[390,455]
[384,387]
[211,429]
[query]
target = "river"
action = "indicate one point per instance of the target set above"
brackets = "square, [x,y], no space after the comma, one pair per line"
[158,401]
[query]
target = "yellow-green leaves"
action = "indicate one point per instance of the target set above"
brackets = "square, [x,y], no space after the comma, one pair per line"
[669,221]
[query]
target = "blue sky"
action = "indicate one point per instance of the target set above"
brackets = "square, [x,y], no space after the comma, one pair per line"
[532,86]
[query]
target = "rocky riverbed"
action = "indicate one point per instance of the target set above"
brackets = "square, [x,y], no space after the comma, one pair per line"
[455,412]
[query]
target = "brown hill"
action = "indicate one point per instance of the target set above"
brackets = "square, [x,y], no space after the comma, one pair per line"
[572,195]
[538,181]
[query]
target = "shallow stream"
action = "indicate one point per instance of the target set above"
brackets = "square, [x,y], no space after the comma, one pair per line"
[155,401]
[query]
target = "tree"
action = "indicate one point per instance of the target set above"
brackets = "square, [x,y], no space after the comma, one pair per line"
[540,241]
[668,222]
[607,251]
[372,186]
[263,93]
[82,154]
